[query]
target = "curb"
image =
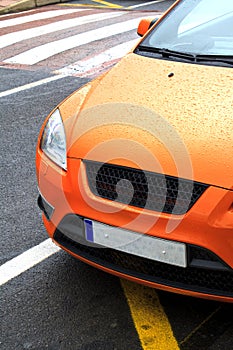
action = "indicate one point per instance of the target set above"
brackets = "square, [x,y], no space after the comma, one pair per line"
[27,5]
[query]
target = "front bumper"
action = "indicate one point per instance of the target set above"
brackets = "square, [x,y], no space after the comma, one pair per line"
[206,229]
[206,274]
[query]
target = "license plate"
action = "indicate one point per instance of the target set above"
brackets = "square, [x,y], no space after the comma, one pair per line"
[149,247]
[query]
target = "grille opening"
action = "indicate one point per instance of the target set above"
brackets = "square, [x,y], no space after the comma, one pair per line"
[143,189]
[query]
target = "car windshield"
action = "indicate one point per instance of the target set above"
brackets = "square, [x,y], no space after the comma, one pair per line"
[195,27]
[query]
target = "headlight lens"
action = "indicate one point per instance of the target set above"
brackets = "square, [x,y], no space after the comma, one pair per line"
[53,141]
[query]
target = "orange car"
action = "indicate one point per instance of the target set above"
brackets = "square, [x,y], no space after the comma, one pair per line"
[135,169]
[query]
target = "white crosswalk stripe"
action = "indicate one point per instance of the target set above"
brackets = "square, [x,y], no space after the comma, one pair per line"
[45,51]
[18,45]
[12,38]
[90,65]
[37,16]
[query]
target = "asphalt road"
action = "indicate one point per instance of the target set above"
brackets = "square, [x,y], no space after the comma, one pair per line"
[62,303]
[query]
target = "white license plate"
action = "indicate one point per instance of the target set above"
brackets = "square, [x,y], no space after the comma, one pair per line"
[149,247]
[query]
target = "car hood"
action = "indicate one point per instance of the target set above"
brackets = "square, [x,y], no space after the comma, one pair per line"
[161,116]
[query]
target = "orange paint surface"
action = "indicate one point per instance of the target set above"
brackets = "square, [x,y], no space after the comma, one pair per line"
[138,115]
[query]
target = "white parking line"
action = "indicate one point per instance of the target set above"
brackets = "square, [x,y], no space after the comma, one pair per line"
[31,85]
[146,3]
[26,260]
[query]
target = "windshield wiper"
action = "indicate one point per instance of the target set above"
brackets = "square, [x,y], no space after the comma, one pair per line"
[166,53]
[228,60]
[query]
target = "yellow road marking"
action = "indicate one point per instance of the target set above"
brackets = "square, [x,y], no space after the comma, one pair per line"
[101,5]
[81,5]
[106,3]
[150,320]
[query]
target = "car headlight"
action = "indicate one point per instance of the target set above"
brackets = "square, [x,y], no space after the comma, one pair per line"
[53,141]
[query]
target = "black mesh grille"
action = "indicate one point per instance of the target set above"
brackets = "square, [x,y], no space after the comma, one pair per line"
[143,189]
[203,280]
